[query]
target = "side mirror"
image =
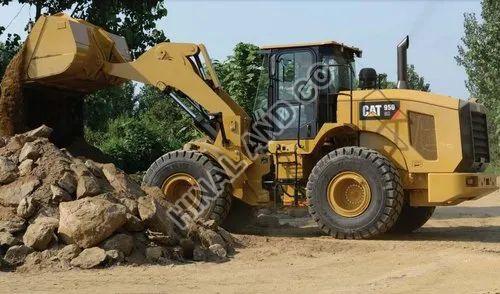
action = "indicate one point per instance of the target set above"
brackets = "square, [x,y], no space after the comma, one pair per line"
[367,78]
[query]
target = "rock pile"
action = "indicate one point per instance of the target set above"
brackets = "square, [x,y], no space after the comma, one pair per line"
[60,211]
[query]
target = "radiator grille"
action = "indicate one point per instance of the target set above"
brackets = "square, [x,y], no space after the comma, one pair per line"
[474,137]
[480,137]
[423,134]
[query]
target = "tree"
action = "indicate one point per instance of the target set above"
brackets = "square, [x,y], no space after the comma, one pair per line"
[384,83]
[479,55]
[155,125]
[8,49]
[172,124]
[415,81]
[239,74]
[108,104]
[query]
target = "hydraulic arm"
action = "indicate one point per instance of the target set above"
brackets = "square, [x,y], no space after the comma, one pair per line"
[74,55]
[176,66]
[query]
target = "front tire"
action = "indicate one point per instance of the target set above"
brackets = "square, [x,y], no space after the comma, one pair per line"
[190,179]
[354,193]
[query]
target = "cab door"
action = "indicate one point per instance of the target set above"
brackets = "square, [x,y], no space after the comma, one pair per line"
[294,91]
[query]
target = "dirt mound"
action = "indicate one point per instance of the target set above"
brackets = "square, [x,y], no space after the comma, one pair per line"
[60,211]
[11,97]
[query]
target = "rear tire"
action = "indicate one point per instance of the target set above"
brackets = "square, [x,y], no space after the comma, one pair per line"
[412,218]
[213,199]
[381,182]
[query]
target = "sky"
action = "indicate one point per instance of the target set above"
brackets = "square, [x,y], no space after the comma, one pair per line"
[434,27]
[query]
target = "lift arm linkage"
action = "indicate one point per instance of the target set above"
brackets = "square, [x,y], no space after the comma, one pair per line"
[168,65]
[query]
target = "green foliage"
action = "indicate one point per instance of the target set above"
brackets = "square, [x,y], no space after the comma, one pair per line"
[134,20]
[5,56]
[8,49]
[384,83]
[479,55]
[108,104]
[239,74]
[134,139]
[173,126]
[132,143]
[415,81]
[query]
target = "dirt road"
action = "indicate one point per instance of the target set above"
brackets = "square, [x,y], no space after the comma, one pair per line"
[457,251]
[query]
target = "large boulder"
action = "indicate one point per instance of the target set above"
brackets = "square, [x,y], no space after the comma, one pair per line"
[88,185]
[30,150]
[120,181]
[123,199]
[114,256]
[40,260]
[25,167]
[59,194]
[8,170]
[121,242]
[218,251]
[26,208]
[68,182]
[40,234]
[12,226]
[200,253]
[13,145]
[208,237]
[42,131]
[17,254]
[94,168]
[88,221]
[8,240]
[89,258]
[68,252]
[154,216]
[11,194]
[154,253]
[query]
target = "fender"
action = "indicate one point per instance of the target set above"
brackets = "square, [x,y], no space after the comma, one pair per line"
[385,146]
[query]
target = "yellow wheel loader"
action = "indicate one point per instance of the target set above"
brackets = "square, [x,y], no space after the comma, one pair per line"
[365,161]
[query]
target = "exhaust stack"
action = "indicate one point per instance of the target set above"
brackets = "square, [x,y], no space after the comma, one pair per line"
[402,63]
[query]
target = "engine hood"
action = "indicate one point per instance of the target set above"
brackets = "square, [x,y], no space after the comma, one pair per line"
[404,95]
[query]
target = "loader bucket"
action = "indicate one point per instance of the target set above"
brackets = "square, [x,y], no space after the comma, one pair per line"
[60,63]
[64,52]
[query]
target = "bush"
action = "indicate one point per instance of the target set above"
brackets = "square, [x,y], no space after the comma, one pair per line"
[131,142]
[137,138]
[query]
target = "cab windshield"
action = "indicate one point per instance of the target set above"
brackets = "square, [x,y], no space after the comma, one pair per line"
[342,72]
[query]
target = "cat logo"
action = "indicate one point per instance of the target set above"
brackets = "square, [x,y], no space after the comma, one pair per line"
[378,110]
[371,110]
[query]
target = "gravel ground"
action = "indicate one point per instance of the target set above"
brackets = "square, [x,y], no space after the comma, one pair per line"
[457,251]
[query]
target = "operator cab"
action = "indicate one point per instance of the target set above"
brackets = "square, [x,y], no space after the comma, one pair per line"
[299,86]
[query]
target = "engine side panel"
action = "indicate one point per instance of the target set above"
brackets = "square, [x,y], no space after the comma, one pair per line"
[425,127]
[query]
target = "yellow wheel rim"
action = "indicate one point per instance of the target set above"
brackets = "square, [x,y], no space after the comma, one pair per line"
[181,185]
[349,194]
